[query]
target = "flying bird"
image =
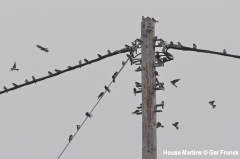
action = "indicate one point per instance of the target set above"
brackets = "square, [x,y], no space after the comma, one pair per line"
[34,79]
[70,138]
[42,48]
[86,60]
[88,115]
[135,91]
[156,73]
[109,52]
[26,81]
[50,73]
[107,89]
[99,55]
[155,20]
[100,95]
[194,46]
[135,112]
[224,51]
[159,125]
[78,127]
[176,125]
[15,85]
[5,88]
[174,82]
[179,44]
[14,67]
[57,70]
[123,63]
[212,104]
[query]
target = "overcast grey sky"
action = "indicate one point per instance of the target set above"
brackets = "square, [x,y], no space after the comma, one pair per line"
[36,120]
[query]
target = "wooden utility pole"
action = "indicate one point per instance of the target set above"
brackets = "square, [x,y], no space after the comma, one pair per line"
[149,131]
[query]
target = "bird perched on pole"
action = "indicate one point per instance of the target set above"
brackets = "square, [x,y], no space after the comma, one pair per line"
[176,125]
[50,73]
[212,104]
[155,20]
[100,56]
[88,115]
[26,81]
[109,52]
[174,82]
[100,95]
[70,138]
[107,89]
[194,46]
[135,112]
[34,79]
[15,85]
[78,127]
[224,51]
[5,88]
[42,48]
[159,125]
[14,67]
[86,60]
[156,73]
[114,76]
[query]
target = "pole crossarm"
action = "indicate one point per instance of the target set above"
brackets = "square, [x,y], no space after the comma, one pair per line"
[124,50]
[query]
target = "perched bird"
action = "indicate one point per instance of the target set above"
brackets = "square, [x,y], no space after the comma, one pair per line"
[26,81]
[78,127]
[109,52]
[194,46]
[88,115]
[107,89]
[15,85]
[80,62]
[159,125]
[135,112]
[138,69]
[162,104]
[138,84]
[162,41]
[100,95]
[135,91]
[50,73]
[114,76]
[155,38]
[171,43]
[69,67]
[127,46]
[133,44]
[155,20]
[99,55]
[86,60]
[212,104]
[139,40]
[179,44]
[156,73]
[129,56]
[176,125]
[224,51]
[34,79]
[70,138]
[5,88]
[14,67]
[42,48]
[174,82]
[57,70]
[143,18]
[123,63]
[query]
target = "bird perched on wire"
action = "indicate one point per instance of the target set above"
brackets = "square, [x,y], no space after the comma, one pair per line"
[80,62]
[155,20]
[109,52]
[127,46]
[70,138]
[176,125]
[123,63]
[100,95]
[212,104]
[114,76]
[107,89]
[69,67]
[159,125]
[86,60]
[100,56]
[194,46]
[50,73]
[143,18]
[14,67]
[5,88]
[42,48]
[133,44]
[139,40]
[57,70]
[162,41]
[78,127]
[156,73]
[179,44]
[135,112]
[15,85]
[174,82]
[224,51]
[88,115]
[33,78]
[26,81]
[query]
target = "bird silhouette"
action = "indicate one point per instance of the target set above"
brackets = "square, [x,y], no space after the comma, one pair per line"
[155,20]
[109,52]
[127,46]
[50,73]
[139,40]
[14,67]
[5,88]
[100,56]
[86,60]
[138,69]
[143,18]
[69,67]
[42,48]
[135,91]
[179,44]
[176,125]
[100,95]
[33,78]
[194,46]
[135,112]
[107,89]
[78,127]
[174,82]
[57,70]
[123,63]
[26,81]
[156,73]
[70,138]
[159,125]
[88,115]
[15,85]
[80,62]
[114,76]
[224,51]
[212,104]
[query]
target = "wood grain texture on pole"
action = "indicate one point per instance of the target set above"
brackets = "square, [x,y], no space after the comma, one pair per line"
[149,131]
